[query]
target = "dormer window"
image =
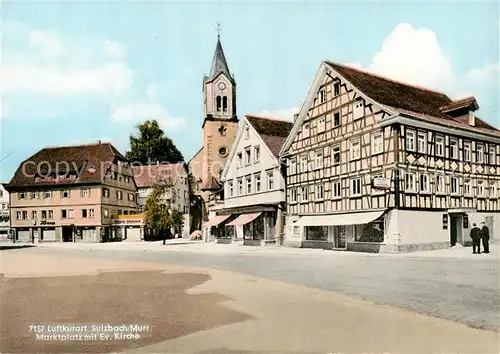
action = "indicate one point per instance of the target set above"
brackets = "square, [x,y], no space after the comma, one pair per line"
[359,108]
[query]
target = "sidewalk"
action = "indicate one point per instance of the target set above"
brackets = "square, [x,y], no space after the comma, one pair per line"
[185,245]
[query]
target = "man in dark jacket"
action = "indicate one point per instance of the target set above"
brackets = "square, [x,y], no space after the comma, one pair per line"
[475,235]
[485,237]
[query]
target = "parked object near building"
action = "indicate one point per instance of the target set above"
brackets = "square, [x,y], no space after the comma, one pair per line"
[174,178]
[253,185]
[71,194]
[4,213]
[370,160]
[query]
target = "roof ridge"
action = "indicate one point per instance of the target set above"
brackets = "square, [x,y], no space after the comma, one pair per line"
[77,145]
[388,79]
[268,118]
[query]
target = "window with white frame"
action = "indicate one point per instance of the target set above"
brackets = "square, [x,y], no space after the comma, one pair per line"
[336,189]
[480,153]
[492,157]
[256,153]
[355,149]
[321,125]
[336,89]
[304,194]
[293,195]
[270,180]
[240,186]
[303,163]
[249,184]
[33,214]
[19,215]
[439,145]
[336,154]
[47,194]
[305,130]
[34,195]
[322,95]
[454,185]
[293,166]
[359,108]
[425,186]
[356,187]
[65,193]
[421,142]
[239,161]
[320,192]
[410,140]
[119,195]
[453,149]
[336,119]
[480,188]
[440,184]
[85,192]
[50,214]
[247,132]
[131,197]
[105,212]
[467,187]
[230,188]
[318,159]
[377,143]
[467,151]
[410,182]
[248,154]
[492,190]
[257,183]
[43,214]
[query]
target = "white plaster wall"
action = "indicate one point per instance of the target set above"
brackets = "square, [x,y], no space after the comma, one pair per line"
[288,229]
[267,162]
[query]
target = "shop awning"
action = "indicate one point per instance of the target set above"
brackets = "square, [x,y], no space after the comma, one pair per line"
[244,219]
[339,219]
[216,220]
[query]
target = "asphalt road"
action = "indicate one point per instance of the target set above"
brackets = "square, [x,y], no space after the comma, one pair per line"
[465,291]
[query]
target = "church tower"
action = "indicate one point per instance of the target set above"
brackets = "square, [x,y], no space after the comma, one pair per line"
[220,122]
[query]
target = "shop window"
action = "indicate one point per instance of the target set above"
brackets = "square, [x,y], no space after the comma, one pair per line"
[371,232]
[316,233]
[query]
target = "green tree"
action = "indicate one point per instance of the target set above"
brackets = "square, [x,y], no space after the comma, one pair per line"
[159,215]
[150,144]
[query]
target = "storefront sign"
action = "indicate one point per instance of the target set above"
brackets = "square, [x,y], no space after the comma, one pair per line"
[45,222]
[128,222]
[445,221]
[381,183]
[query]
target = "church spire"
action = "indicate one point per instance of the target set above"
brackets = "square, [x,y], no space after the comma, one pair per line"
[219,63]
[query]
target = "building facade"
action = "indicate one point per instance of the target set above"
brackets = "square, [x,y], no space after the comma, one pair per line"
[71,194]
[218,132]
[369,159]
[175,177]
[253,185]
[4,213]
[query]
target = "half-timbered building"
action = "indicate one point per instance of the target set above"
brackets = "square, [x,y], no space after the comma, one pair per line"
[382,166]
[253,184]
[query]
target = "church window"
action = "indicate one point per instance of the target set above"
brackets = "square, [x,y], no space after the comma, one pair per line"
[219,103]
[224,104]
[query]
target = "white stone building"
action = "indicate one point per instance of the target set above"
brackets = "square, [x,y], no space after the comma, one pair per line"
[381,166]
[4,213]
[253,185]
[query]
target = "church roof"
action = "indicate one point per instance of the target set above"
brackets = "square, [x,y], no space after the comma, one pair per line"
[219,63]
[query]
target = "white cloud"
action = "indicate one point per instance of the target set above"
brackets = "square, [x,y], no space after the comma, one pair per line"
[114,49]
[415,56]
[42,62]
[141,111]
[152,92]
[280,114]
[487,74]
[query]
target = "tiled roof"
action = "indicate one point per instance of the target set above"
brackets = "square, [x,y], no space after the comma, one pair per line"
[86,162]
[461,103]
[408,98]
[210,183]
[272,131]
[149,175]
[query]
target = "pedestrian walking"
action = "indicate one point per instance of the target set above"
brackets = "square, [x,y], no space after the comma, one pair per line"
[475,235]
[485,237]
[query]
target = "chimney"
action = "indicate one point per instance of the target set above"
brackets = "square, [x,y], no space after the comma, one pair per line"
[295,116]
[472,119]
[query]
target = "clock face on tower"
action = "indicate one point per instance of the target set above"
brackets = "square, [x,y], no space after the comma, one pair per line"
[222,85]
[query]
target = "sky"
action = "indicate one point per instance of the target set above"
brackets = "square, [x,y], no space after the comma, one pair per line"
[79,72]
